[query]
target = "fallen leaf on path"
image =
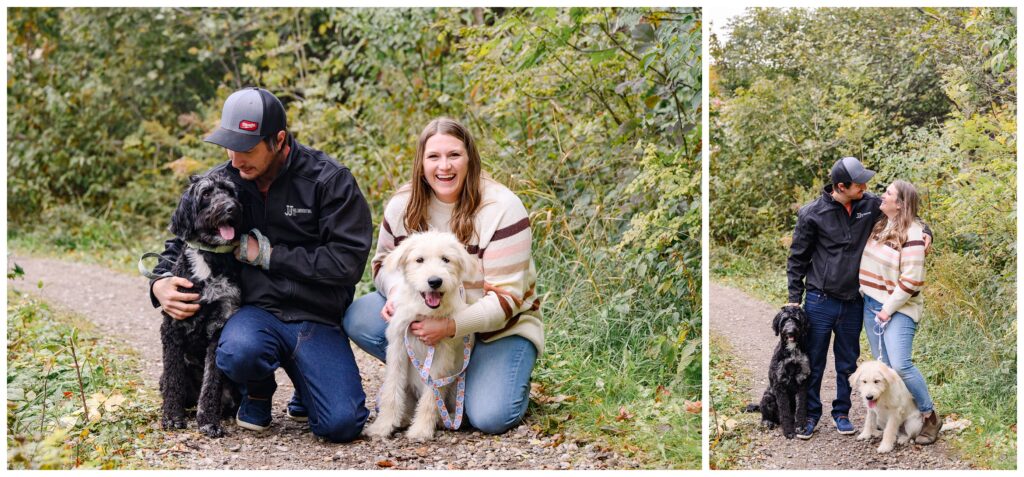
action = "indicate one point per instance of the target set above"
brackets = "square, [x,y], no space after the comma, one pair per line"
[385,463]
[624,414]
[692,407]
[661,393]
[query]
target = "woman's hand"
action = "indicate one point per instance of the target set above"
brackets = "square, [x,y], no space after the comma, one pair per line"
[432,331]
[388,311]
[883,316]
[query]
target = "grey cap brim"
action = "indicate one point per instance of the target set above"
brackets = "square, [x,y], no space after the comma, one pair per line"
[864,176]
[235,141]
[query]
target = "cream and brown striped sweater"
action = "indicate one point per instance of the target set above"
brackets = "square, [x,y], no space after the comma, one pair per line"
[895,277]
[502,293]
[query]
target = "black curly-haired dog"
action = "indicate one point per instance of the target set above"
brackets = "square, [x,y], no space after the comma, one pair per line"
[785,400]
[206,219]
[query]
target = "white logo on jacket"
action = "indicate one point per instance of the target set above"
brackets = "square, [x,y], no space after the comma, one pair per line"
[291,211]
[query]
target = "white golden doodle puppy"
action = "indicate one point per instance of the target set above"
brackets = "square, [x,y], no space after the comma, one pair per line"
[433,265]
[889,403]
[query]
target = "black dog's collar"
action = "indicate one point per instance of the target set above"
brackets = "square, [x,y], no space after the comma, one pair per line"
[218,249]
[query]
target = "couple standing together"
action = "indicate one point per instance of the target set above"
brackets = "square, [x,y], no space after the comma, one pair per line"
[298,310]
[860,259]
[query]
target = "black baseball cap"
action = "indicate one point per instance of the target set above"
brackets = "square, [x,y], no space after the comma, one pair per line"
[249,115]
[849,169]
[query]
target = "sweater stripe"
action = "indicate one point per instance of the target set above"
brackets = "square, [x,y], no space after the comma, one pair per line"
[511,230]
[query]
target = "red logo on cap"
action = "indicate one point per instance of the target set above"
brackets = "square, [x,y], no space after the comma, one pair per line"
[247,125]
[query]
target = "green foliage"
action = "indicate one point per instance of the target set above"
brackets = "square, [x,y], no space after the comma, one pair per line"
[47,423]
[591,115]
[945,119]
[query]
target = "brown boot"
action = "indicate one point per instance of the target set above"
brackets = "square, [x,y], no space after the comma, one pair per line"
[930,430]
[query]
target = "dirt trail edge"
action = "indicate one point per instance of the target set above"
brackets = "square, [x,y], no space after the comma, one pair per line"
[745,323]
[119,305]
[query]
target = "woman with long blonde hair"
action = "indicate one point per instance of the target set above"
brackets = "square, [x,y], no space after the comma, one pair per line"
[449,192]
[891,280]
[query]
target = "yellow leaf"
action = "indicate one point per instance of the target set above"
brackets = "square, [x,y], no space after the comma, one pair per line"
[114,402]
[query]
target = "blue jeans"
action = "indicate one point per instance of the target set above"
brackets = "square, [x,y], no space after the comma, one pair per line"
[897,342]
[317,358]
[842,318]
[497,379]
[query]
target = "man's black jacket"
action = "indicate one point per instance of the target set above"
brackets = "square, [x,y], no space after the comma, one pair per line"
[827,245]
[320,229]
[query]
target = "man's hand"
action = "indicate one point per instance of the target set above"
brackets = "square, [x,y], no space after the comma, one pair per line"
[792,304]
[175,303]
[388,311]
[432,331]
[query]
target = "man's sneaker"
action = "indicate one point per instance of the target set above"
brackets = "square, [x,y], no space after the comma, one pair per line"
[930,430]
[254,414]
[844,426]
[806,432]
[296,410]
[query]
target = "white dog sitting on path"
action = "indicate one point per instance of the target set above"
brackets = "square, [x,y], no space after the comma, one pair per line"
[889,403]
[433,265]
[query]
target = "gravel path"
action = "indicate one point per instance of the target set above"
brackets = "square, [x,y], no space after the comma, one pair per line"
[745,323]
[119,305]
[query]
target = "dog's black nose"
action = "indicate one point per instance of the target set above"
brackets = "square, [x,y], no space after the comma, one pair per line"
[869,397]
[434,282]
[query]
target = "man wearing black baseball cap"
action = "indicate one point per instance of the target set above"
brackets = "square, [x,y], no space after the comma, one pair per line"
[824,258]
[311,236]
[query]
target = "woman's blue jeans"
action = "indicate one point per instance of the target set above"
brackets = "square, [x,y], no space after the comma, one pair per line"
[897,343]
[497,379]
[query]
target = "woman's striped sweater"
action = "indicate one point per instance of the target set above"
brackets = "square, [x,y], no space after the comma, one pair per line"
[502,292]
[895,277]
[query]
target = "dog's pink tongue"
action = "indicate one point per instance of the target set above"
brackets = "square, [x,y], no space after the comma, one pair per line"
[227,232]
[872,404]
[433,299]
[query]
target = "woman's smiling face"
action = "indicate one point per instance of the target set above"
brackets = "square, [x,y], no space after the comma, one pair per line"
[445,165]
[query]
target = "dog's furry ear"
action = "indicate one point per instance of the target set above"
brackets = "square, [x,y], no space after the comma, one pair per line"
[192,179]
[182,225]
[803,324]
[890,375]
[777,322]
[855,376]
[396,259]
[467,261]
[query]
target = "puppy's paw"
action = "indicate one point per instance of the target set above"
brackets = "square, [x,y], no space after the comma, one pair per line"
[902,439]
[884,448]
[865,435]
[789,434]
[173,422]
[212,430]
[378,430]
[420,433]
[769,424]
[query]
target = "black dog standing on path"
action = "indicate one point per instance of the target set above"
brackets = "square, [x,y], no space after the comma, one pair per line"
[785,400]
[206,220]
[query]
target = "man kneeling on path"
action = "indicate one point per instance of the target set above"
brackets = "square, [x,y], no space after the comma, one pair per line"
[295,294]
